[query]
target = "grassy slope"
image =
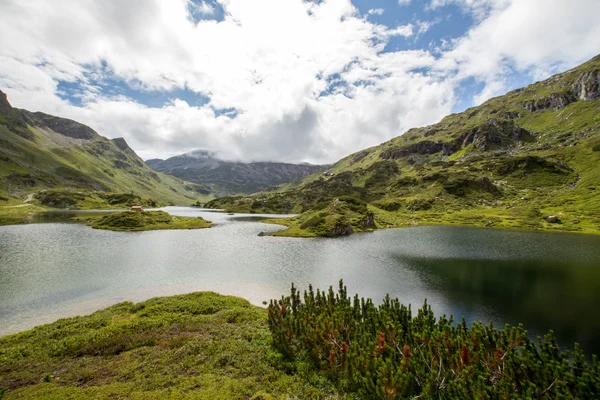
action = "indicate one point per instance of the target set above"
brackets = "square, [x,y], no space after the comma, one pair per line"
[507,163]
[146,221]
[194,346]
[35,158]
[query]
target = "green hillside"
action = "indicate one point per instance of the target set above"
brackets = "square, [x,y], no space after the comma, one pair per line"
[529,159]
[52,161]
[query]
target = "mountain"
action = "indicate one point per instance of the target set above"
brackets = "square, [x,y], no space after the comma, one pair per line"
[42,154]
[229,177]
[529,159]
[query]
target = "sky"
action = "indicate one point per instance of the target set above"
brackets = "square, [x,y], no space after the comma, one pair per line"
[279,80]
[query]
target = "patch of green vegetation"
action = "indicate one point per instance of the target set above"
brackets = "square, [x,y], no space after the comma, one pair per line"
[146,221]
[389,352]
[17,214]
[87,200]
[194,346]
[341,217]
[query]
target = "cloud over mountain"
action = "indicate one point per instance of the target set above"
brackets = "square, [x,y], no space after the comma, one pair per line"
[277,80]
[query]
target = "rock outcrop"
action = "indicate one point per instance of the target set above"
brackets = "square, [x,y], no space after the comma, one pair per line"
[495,133]
[554,101]
[66,127]
[423,147]
[587,86]
[5,106]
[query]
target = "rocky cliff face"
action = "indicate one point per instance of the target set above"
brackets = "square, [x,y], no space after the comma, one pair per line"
[64,126]
[5,106]
[587,86]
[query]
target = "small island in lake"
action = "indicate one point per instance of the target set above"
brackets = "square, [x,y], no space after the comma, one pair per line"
[146,221]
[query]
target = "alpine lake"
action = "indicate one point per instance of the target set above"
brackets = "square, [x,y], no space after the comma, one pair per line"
[53,268]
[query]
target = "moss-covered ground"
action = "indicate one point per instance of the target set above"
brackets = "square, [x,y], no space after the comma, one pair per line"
[146,221]
[194,346]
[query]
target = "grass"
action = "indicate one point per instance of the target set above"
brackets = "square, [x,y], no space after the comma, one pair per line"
[518,219]
[13,215]
[146,221]
[194,346]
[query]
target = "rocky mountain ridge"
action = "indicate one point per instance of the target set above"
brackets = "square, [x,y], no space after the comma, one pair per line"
[230,177]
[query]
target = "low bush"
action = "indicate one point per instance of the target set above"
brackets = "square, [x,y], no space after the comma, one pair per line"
[387,352]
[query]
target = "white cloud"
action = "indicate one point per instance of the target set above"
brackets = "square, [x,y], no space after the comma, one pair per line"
[404,2]
[539,36]
[376,11]
[272,61]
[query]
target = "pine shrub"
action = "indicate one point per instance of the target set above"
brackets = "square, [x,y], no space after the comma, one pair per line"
[386,352]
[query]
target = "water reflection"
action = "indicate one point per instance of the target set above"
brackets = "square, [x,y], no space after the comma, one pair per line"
[539,294]
[546,281]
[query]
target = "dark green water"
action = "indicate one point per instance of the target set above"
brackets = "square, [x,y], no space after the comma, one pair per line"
[543,280]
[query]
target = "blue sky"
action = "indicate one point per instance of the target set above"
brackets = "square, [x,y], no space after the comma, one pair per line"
[286,80]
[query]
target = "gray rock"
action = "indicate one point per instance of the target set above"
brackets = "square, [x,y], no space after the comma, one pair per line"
[587,86]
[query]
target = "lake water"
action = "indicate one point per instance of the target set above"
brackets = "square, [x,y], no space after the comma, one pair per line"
[544,280]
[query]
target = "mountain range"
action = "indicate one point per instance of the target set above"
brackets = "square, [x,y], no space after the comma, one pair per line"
[41,153]
[528,159]
[229,177]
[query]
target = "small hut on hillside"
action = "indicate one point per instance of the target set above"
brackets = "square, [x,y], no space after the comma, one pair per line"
[137,209]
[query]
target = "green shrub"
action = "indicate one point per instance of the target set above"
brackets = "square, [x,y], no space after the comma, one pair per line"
[59,198]
[314,221]
[387,352]
[354,204]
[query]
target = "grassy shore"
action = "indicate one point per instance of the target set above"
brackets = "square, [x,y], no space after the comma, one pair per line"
[17,214]
[194,346]
[482,217]
[146,221]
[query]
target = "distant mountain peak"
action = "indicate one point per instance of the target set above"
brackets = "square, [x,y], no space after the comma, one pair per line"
[121,144]
[4,103]
[230,177]
[66,127]
[199,153]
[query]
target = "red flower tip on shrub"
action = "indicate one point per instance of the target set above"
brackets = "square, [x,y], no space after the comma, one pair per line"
[344,347]
[406,351]
[464,354]
[381,341]
[331,358]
